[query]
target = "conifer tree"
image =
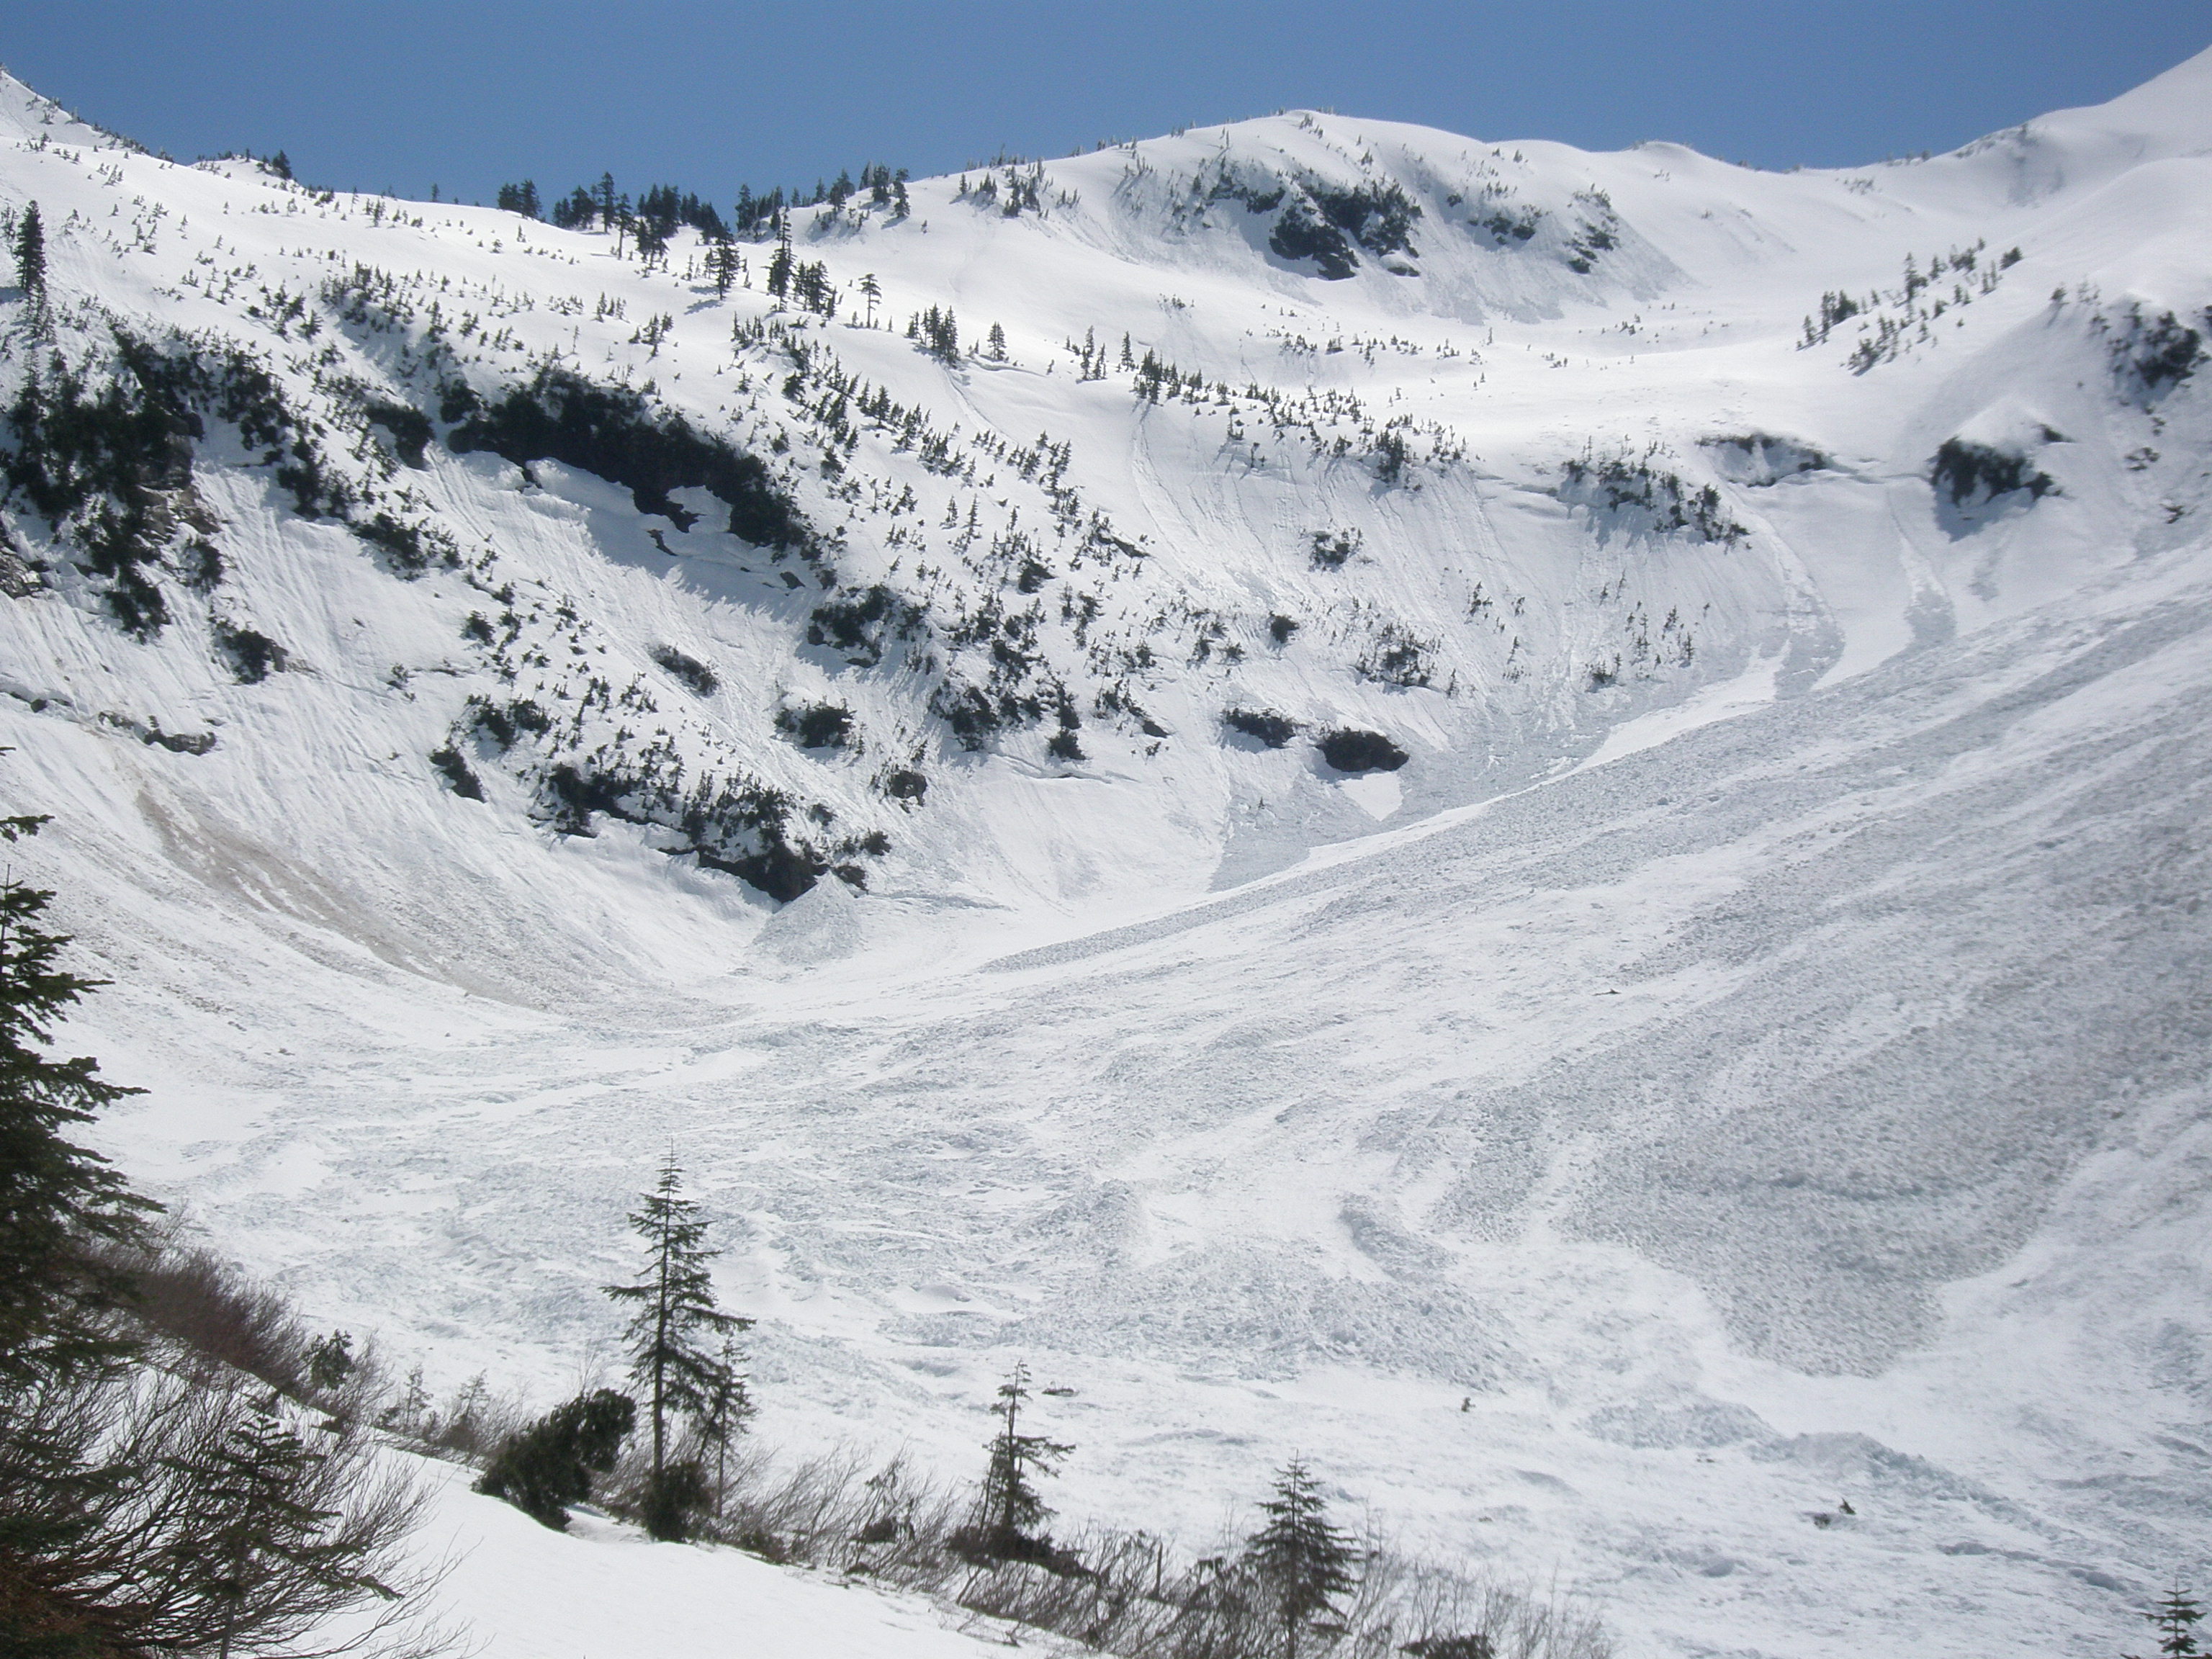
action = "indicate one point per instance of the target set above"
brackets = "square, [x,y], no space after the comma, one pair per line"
[872,292]
[550,1465]
[1302,1560]
[780,268]
[251,1485]
[722,264]
[2175,1619]
[330,1361]
[1012,1511]
[30,259]
[729,1407]
[668,1335]
[56,1197]
[576,210]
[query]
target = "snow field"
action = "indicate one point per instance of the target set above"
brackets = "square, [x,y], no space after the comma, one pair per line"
[1775,1077]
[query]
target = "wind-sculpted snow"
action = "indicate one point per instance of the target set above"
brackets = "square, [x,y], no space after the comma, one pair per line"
[1578,892]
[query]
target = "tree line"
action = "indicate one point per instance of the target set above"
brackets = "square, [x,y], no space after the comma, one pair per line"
[661,210]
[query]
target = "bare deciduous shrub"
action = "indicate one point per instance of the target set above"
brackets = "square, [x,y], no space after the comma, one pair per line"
[211,1310]
[1136,1596]
[148,1511]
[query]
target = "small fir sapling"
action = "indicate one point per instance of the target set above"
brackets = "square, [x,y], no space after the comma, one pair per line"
[2175,1619]
[1305,1561]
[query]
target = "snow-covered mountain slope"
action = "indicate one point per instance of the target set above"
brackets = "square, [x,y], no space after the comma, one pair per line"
[506,708]
[515,1591]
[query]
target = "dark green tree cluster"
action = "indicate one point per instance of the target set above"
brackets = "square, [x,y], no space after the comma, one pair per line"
[779,269]
[938,332]
[759,215]
[667,208]
[810,289]
[724,263]
[577,211]
[885,188]
[553,1463]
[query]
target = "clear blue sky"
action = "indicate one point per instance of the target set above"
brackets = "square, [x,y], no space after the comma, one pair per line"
[403,95]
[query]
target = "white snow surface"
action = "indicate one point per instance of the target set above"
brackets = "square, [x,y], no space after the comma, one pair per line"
[603,1590]
[1752,1055]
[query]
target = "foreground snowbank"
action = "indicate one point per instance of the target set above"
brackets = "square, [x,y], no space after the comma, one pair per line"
[602,1590]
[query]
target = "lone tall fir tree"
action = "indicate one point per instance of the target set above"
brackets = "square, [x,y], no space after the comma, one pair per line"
[675,1344]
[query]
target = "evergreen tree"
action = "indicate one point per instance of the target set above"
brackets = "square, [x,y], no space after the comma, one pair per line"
[729,1407]
[31,260]
[996,343]
[550,1465]
[899,208]
[872,292]
[2175,1619]
[146,1513]
[603,199]
[576,210]
[938,333]
[330,1361]
[251,1487]
[676,1313]
[1011,1511]
[56,1198]
[780,268]
[722,263]
[809,286]
[1299,1556]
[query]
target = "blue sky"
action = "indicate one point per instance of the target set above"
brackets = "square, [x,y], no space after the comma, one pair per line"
[405,94]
